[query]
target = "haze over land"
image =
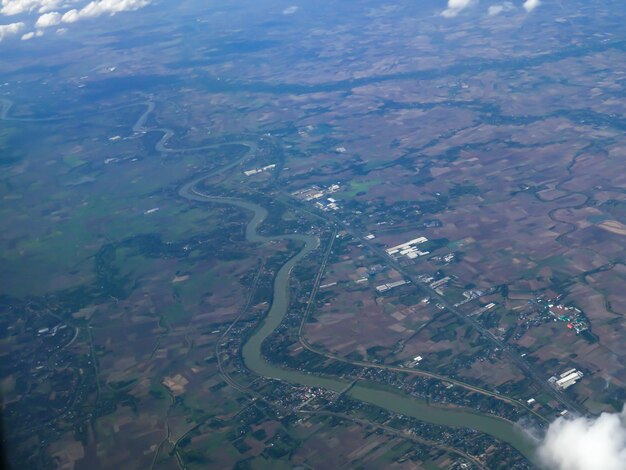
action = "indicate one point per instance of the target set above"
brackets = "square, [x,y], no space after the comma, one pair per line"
[341,234]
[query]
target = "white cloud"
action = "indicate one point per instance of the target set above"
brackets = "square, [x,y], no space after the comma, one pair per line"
[51,13]
[71,16]
[290,10]
[31,34]
[7,30]
[530,5]
[494,10]
[51,5]
[15,7]
[455,7]
[102,7]
[48,19]
[585,443]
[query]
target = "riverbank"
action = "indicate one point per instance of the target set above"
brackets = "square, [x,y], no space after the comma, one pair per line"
[390,400]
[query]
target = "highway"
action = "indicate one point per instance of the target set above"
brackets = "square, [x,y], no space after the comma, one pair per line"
[305,343]
[512,356]
[393,401]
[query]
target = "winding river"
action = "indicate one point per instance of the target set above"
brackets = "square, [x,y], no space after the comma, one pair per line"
[393,401]
[389,400]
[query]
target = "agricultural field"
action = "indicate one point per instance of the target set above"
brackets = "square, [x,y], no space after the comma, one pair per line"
[261,235]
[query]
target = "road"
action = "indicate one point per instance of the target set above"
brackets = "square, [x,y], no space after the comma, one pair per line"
[396,432]
[392,400]
[304,342]
[512,356]
[497,427]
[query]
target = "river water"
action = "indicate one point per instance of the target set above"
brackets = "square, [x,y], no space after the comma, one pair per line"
[393,401]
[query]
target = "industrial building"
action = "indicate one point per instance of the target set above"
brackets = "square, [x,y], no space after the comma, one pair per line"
[408,249]
[254,171]
[391,285]
[439,283]
[566,379]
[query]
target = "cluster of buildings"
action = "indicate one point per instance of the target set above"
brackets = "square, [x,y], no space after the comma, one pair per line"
[51,331]
[443,259]
[470,295]
[329,204]
[573,316]
[408,249]
[318,194]
[415,362]
[315,192]
[482,310]
[435,284]
[566,379]
[439,283]
[254,171]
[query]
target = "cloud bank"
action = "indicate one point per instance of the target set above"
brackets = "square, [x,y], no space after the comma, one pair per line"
[103,7]
[7,30]
[455,7]
[494,10]
[48,19]
[530,5]
[585,443]
[16,7]
[51,13]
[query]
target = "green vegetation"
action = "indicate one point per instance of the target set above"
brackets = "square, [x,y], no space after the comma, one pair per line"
[357,188]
